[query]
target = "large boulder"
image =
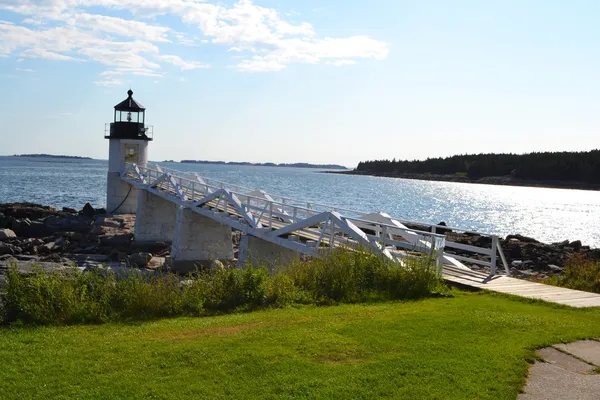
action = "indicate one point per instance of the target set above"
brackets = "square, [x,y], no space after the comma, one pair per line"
[88,210]
[116,240]
[7,248]
[7,234]
[140,259]
[72,223]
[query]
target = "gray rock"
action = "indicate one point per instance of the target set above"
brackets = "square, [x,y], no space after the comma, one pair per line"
[88,210]
[116,240]
[7,248]
[526,274]
[522,238]
[516,263]
[216,265]
[74,223]
[140,259]
[555,268]
[7,234]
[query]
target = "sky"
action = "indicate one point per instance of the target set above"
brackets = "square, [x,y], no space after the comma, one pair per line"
[320,81]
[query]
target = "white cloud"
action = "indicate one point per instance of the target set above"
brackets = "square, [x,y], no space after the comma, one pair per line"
[268,39]
[184,65]
[48,55]
[25,69]
[121,27]
[133,71]
[259,64]
[109,82]
[32,21]
[339,63]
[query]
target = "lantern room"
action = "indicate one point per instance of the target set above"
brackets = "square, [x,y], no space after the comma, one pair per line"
[129,122]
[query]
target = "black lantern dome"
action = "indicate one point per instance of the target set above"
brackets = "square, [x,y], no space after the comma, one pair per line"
[129,121]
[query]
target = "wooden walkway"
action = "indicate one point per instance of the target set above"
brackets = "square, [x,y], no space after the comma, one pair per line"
[311,226]
[520,287]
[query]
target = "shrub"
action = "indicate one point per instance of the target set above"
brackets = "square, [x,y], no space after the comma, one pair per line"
[580,273]
[341,276]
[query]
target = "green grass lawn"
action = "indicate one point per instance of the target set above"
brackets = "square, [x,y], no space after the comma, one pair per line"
[470,346]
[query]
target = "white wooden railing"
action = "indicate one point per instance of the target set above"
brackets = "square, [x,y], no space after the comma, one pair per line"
[274,213]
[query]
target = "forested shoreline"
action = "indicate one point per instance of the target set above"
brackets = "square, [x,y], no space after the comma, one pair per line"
[560,167]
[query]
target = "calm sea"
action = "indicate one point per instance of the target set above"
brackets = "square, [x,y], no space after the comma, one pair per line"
[549,215]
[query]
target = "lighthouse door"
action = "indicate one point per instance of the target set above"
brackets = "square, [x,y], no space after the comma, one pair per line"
[131,153]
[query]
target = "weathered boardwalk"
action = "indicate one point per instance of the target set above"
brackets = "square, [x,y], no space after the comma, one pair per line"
[519,287]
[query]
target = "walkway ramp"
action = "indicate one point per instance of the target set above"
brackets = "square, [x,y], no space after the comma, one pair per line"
[308,228]
[520,287]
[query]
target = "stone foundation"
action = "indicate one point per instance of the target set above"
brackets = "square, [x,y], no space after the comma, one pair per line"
[197,240]
[118,192]
[261,252]
[155,219]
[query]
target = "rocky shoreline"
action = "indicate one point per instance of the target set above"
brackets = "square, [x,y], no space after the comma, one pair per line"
[489,180]
[90,238]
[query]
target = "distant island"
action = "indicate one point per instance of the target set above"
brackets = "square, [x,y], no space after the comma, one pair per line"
[573,170]
[293,165]
[51,156]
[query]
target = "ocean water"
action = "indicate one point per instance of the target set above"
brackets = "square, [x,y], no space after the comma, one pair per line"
[549,215]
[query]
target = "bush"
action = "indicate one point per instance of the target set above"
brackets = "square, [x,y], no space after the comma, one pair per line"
[580,273]
[342,276]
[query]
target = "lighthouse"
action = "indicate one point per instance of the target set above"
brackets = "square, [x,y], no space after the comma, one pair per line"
[128,138]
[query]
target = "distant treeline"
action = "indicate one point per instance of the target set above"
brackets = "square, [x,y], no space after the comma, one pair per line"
[294,165]
[559,166]
[51,156]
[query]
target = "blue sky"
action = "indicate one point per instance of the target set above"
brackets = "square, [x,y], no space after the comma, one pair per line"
[316,81]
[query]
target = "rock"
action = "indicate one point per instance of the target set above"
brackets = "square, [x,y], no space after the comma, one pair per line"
[116,240]
[88,210]
[22,257]
[100,211]
[153,247]
[28,210]
[236,236]
[74,223]
[516,263]
[7,248]
[217,265]
[522,238]
[69,210]
[110,224]
[140,259]
[7,234]
[441,231]
[49,246]
[526,274]
[576,245]
[555,268]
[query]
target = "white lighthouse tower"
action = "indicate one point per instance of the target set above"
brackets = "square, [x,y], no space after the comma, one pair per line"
[128,143]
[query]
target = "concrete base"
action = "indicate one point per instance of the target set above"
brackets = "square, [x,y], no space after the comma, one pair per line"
[261,252]
[198,238]
[155,219]
[118,191]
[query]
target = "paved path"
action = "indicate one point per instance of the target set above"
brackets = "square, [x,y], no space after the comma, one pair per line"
[520,287]
[568,372]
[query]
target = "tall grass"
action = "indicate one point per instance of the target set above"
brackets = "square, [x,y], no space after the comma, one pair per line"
[56,298]
[580,273]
